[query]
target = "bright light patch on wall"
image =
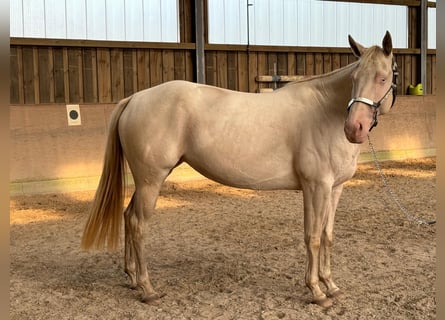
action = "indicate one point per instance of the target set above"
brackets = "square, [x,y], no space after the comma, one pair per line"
[73,115]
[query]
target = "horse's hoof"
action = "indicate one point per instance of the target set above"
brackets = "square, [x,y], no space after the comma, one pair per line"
[152,298]
[324,302]
[336,295]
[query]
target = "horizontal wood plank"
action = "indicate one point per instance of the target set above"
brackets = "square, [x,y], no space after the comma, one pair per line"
[279,78]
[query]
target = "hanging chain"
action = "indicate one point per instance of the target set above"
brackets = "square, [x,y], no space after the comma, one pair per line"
[393,196]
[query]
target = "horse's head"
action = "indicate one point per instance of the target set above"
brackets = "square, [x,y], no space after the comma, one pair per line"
[373,88]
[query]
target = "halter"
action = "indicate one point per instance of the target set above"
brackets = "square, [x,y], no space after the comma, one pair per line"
[376,105]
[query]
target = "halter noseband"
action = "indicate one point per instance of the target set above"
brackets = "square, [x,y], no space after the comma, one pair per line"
[376,105]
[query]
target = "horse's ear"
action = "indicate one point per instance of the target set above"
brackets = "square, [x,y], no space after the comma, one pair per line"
[387,44]
[357,48]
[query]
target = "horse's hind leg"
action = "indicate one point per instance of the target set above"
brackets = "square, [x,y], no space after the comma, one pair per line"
[137,214]
[130,261]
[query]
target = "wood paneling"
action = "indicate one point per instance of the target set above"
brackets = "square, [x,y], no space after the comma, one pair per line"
[103,75]
[28,75]
[90,75]
[117,74]
[14,83]
[47,73]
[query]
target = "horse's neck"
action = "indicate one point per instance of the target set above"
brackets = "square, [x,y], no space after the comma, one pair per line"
[335,88]
[330,91]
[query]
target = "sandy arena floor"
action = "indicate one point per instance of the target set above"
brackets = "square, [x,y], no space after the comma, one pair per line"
[224,253]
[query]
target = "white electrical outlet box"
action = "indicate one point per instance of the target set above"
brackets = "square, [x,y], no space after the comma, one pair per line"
[73,115]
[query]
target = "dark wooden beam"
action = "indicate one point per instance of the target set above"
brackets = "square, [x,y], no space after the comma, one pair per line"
[409,3]
[186,21]
[423,43]
[200,41]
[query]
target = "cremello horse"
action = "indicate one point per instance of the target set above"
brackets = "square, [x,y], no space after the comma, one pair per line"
[303,136]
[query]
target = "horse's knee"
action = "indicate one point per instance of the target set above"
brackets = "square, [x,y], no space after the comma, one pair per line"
[312,242]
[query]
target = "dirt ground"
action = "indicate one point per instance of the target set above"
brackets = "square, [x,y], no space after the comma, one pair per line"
[225,253]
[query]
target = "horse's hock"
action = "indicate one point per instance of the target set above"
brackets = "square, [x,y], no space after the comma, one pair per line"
[47,155]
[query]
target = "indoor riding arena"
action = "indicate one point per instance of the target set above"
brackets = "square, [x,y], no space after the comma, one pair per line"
[232,250]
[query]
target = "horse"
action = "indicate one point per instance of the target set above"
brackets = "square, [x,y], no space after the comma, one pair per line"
[304,136]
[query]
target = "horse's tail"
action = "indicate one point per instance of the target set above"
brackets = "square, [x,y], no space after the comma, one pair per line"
[104,223]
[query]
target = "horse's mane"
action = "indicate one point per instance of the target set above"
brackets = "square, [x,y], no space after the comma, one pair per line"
[369,54]
[321,76]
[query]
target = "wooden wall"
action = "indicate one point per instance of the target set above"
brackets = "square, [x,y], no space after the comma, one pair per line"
[66,74]
[52,71]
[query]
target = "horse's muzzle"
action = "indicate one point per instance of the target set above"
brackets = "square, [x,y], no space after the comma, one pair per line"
[355,132]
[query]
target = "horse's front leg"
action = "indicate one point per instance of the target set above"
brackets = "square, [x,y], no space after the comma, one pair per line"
[316,197]
[326,244]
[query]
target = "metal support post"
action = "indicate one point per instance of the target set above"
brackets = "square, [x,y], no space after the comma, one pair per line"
[423,42]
